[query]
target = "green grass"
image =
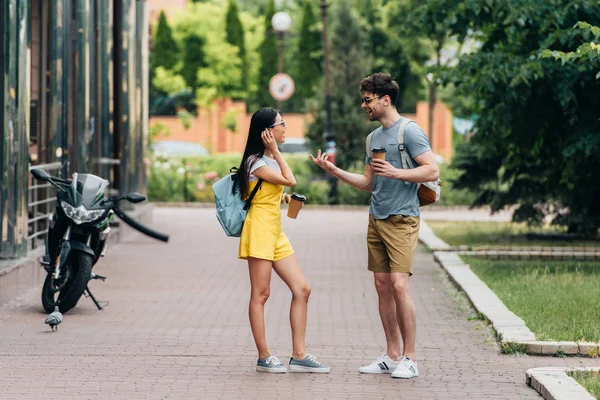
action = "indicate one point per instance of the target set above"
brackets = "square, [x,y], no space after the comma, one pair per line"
[558,300]
[589,380]
[475,234]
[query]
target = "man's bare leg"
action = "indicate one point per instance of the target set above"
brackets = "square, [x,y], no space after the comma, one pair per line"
[388,314]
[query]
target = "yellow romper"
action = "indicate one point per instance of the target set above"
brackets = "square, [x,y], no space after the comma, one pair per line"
[262,235]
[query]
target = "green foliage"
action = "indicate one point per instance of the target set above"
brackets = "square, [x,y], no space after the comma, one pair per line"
[229,120]
[505,234]
[512,348]
[349,43]
[221,72]
[309,57]
[590,380]
[185,118]
[537,132]
[268,59]
[235,36]
[548,295]
[586,52]
[156,129]
[164,49]
[164,54]
[193,59]
[167,81]
[450,195]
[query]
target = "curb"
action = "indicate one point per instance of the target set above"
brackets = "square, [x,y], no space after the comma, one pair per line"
[556,384]
[511,331]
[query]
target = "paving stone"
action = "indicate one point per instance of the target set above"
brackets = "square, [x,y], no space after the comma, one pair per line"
[176,326]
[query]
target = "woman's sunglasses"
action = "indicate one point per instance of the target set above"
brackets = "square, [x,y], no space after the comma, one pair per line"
[282,122]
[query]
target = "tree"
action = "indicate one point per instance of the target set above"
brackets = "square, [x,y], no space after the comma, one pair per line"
[309,58]
[268,58]
[220,73]
[350,62]
[164,54]
[392,52]
[193,59]
[164,49]
[589,51]
[235,36]
[536,134]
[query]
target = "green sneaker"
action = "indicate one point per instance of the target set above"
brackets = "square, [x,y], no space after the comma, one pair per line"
[270,364]
[308,364]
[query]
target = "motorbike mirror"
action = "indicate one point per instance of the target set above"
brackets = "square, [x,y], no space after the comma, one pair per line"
[40,175]
[135,198]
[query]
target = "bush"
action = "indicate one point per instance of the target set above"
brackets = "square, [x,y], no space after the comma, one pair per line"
[178,179]
[451,196]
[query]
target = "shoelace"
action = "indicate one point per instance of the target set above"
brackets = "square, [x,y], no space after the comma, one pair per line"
[272,360]
[381,358]
[406,362]
[313,359]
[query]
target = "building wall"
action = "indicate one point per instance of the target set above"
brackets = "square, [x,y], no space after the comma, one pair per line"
[168,6]
[80,60]
[207,128]
[14,117]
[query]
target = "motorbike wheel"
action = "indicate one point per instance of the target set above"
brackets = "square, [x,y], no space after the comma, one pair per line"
[80,268]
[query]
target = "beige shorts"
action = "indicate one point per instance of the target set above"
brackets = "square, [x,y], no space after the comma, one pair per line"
[391,243]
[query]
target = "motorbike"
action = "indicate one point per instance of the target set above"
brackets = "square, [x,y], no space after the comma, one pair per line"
[77,236]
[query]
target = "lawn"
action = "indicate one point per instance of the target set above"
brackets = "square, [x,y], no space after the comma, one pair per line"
[558,300]
[497,234]
[589,380]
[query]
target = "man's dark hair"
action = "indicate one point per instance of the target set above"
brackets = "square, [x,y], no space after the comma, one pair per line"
[380,84]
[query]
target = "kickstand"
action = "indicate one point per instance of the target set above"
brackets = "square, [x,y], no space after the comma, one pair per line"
[87,289]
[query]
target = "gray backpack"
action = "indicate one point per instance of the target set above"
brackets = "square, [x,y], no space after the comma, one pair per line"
[428,192]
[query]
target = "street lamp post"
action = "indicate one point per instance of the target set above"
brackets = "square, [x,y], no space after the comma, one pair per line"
[329,133]
[432,101]
[281,23]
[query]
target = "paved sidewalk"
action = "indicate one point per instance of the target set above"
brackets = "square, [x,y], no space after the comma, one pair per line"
[177,327]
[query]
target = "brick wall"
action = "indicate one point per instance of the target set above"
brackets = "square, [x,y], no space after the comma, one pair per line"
[208,130]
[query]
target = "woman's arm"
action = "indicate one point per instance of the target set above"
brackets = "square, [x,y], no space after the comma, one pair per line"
[268,174]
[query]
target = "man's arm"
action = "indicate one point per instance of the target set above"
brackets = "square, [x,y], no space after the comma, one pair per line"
[427,170]
[360,182]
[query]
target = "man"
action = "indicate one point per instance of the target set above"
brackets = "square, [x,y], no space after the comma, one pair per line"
[393,219]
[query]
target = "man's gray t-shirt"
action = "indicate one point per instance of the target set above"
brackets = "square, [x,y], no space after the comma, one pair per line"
[393,196]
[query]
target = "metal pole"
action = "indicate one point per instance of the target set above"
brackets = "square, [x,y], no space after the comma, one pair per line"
[280,63]
[329,133]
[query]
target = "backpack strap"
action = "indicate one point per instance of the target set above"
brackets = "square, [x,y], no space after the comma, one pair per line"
[404,156]
[368,144]
[247,205]
[256,188]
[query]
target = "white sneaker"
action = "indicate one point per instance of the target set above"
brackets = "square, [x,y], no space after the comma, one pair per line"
[406,369]
[383,365]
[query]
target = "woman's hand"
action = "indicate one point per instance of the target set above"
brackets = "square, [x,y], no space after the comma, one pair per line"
[286,198]
[269,141]
[322,161]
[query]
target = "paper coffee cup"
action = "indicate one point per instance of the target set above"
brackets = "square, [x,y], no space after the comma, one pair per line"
[378,153]
[295,205]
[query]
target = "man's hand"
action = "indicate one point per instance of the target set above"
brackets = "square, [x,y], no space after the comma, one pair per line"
[383,168]
[322,161]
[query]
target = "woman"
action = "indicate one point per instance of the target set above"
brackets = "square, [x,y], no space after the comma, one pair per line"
[264,244]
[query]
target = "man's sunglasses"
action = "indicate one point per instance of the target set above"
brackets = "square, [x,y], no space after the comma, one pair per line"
[368,100]
[282,122]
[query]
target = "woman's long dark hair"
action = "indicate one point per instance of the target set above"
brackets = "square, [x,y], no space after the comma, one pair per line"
[261,120]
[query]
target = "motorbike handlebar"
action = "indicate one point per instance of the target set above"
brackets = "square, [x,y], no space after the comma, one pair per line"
[139,227]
